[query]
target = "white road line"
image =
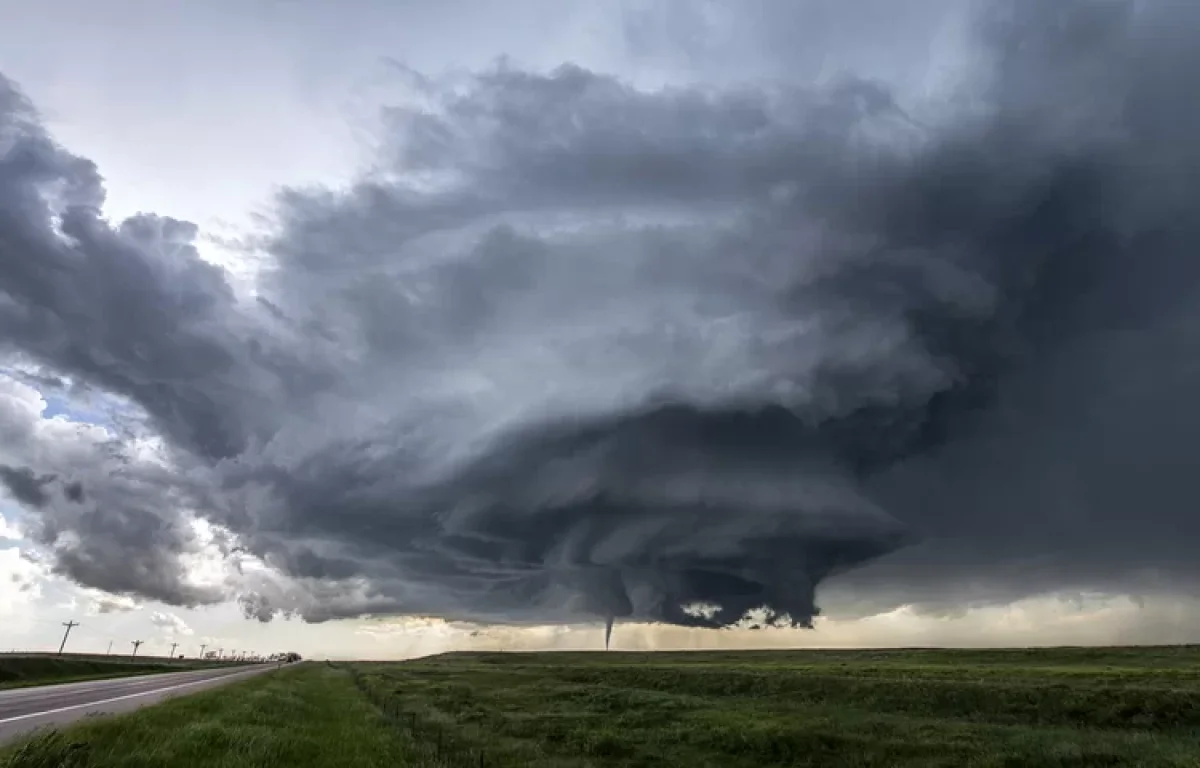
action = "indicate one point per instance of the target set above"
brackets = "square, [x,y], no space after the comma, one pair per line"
[45,712]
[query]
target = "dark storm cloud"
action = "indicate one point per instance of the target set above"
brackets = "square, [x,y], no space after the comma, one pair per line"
[25,485]
[126,539]
[30,488]
[74,492]
[580,350]
[130,308]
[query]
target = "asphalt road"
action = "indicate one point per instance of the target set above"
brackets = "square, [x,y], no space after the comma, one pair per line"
[26,709]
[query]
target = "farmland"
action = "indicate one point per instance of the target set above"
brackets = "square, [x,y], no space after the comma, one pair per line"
[1054,707]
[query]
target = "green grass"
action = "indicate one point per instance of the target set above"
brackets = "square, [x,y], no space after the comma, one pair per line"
[1054,707]
[306,715]
[1059,707]
[23,671]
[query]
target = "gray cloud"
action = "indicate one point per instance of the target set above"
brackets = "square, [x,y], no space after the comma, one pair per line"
[257,607]
[30,489]
[575,349]
[74,492]
[127,534]
[25,485]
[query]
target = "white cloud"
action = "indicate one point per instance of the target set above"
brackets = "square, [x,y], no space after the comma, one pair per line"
[101,603]
[9,529]
[170,623]
[20,587]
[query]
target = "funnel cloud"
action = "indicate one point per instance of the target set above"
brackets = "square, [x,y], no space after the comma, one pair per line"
[576,349]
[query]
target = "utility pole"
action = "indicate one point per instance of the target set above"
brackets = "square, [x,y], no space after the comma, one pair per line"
[136,644]
[69,625]
[173,649]
[202,650]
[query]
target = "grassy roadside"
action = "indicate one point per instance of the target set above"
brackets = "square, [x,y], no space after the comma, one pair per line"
[22,672]
[308,715]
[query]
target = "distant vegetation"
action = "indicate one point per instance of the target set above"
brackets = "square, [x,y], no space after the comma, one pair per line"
[1060,707]
[18,671]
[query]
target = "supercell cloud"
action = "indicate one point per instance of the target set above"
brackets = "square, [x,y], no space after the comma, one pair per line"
[578,350]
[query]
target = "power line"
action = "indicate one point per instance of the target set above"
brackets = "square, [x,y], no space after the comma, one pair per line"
[69,625]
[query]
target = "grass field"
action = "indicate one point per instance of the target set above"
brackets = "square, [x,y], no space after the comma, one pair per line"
[1069,707]
[1064,707]
[22,671]
[307,715]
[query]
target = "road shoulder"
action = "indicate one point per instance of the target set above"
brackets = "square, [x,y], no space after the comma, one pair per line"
[306,715]
[28,709]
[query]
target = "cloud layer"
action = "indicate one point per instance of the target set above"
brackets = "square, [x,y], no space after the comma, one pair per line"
[574,349]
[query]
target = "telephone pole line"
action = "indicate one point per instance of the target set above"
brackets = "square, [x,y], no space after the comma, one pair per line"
[136,644]
[173,649]
[69,625]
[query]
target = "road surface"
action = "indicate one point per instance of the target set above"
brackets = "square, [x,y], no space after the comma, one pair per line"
[26,709]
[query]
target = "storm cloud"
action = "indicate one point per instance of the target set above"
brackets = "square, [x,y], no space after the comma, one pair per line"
[575,349]
[25,486]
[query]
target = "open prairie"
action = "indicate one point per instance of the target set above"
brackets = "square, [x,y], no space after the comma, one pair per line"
[1045,707]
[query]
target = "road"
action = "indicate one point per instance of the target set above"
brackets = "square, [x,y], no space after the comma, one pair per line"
[25,709]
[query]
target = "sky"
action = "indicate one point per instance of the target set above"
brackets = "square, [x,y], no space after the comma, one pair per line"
[385,328]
